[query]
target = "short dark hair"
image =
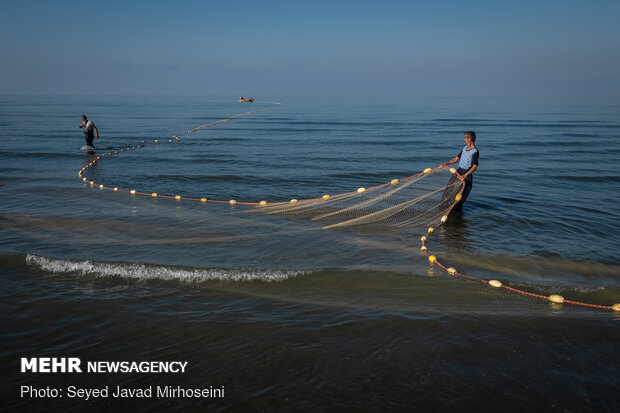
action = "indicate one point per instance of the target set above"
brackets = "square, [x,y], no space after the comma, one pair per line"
[84,116]
[471,135]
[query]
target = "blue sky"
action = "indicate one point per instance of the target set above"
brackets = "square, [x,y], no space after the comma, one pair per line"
[277,48]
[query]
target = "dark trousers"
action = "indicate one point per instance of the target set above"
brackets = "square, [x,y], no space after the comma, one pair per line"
[90,137]
[469,181]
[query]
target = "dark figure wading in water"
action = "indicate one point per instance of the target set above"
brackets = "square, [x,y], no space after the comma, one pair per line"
[88,130]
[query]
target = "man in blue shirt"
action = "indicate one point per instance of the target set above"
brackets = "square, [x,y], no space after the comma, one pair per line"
[468,163]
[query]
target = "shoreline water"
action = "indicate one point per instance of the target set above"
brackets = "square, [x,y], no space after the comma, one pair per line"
[286,316]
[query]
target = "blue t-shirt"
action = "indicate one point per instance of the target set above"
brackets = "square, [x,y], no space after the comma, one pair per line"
[468,158]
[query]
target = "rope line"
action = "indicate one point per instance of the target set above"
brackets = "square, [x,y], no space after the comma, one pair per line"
[554,298]
[176,139]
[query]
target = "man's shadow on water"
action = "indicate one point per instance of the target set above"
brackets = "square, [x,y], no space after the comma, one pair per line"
[456,230]
[452,234]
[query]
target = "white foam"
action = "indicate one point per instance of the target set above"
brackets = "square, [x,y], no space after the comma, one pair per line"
[143,272]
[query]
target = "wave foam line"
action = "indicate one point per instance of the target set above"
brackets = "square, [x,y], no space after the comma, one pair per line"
[144,272]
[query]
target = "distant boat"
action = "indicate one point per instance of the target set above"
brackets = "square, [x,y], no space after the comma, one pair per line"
[242,99]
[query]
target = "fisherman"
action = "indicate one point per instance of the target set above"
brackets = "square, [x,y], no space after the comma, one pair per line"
[89,126]
[468,163]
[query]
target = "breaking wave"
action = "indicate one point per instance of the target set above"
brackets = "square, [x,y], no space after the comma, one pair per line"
[134,271]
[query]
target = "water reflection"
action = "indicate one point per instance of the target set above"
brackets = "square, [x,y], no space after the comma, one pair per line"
[456,231]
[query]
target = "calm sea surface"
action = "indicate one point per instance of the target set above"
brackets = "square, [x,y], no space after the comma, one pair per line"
[286,316]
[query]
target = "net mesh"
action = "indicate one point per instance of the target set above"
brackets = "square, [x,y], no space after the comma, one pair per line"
[419,200]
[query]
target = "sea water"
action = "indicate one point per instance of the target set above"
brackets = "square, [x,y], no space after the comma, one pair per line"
[287,316]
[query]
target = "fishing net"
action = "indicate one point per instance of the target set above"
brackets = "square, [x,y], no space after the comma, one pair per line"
[419,200]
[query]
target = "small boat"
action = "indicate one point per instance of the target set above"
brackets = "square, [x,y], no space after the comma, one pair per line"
[242,99]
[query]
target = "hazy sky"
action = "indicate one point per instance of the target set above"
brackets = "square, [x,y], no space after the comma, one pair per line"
[261,47]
